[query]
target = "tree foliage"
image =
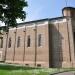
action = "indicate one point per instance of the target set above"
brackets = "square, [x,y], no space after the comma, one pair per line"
[10,10]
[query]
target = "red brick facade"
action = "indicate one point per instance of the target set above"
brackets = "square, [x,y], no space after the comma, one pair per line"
[45,43]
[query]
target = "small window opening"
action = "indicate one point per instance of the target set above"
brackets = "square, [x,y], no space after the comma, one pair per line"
[38,65]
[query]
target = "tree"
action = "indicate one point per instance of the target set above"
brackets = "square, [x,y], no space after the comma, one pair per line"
[10,10]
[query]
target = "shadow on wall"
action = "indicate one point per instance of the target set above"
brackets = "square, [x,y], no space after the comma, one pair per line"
[56,46]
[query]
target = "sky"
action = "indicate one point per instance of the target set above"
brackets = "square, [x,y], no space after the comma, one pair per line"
[41,9]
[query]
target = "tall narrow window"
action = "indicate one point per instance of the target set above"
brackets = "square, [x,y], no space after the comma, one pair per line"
[39,40]
[28,41]
[18,41]
[9,44]
[1,42]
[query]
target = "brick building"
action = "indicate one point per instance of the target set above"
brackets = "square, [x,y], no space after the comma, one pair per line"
[45,43]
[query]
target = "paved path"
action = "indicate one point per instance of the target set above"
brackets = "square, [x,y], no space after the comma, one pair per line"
[66,73]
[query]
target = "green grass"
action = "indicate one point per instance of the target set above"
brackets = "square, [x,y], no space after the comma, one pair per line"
[21,70]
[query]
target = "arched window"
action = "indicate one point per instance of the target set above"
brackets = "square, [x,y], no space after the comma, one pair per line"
[9,44]
[1,42]
[18,41]
[28,41]
[39,40]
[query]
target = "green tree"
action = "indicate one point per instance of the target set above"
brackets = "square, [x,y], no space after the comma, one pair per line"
[10,10]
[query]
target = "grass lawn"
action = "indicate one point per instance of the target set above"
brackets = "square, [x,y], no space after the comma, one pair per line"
[20,70]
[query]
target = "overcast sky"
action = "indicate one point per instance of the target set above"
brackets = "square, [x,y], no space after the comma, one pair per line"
[40,9]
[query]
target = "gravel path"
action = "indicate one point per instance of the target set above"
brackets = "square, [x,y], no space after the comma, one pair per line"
[66,73]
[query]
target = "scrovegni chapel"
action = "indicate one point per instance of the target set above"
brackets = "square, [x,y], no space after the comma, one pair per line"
[41,43]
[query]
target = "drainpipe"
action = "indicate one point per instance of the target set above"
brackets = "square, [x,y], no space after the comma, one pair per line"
[35,30]
[24,43]
[7,33]
[15,44]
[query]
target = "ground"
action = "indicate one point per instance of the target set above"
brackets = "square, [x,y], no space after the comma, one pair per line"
[7,69]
